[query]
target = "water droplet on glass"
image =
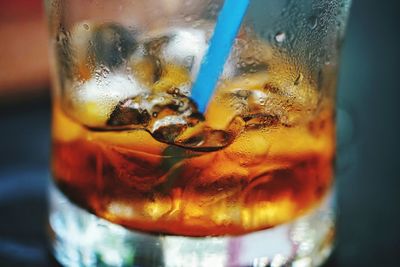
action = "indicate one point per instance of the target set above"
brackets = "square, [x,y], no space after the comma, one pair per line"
[299,79]
[280,37]
[102,72]
[213,9]
[313,22]
[86,26]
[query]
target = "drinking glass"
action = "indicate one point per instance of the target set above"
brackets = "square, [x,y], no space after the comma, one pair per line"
[143,177]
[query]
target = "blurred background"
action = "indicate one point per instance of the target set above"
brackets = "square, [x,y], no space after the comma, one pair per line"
[368,117]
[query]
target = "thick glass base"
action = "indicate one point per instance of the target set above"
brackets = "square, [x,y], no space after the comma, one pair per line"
[80,238]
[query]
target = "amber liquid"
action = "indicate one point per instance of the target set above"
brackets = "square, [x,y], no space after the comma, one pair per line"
[266,177]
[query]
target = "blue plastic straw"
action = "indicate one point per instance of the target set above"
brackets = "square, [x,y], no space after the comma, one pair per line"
[226,29]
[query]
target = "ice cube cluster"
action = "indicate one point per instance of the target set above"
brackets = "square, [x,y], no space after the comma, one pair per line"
[126,80]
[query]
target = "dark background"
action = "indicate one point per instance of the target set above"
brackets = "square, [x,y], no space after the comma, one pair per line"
[368,179]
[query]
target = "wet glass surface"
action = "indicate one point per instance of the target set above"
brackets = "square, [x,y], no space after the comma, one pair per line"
[368,183]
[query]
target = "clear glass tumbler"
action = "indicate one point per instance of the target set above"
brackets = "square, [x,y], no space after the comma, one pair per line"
[144,177]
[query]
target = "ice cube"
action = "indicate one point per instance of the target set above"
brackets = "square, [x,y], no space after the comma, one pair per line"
[173,77]
[88,46]
[264,99]
[186,47]
[164,115]
[172,118]
[151,67]
[168,128]
[92,102]
[157,105]
[146,69]
[129,113]
[113,44]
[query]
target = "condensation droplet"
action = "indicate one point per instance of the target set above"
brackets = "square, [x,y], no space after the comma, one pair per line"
[280,37]
[101,72]
[313,22]
[213,9]
[299,79]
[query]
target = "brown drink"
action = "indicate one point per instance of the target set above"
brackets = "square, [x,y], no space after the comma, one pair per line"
[237,169]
